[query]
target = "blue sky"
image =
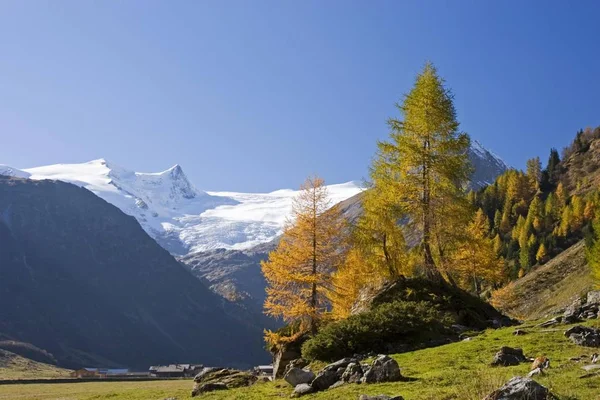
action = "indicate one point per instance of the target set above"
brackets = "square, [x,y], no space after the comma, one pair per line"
[256,95]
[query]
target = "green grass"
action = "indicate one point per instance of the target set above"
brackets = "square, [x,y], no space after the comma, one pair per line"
[456,371]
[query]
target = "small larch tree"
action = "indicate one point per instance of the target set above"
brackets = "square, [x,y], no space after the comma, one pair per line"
[299,271]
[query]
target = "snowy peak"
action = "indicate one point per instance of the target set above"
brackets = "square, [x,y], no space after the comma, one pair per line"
[487,165]
[10,171]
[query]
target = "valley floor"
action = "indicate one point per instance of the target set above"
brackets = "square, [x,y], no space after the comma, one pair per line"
[456,371]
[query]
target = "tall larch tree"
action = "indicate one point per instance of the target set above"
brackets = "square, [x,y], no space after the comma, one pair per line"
[299,271]
[424,165]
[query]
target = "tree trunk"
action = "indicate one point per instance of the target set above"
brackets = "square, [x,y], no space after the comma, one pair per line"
[431,270]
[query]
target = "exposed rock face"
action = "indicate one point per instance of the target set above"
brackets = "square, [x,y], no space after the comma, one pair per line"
[382,369]
[297,376]
[283,355]
[508,356]
[519,388]
[210,379]
[584,336]
[580,310]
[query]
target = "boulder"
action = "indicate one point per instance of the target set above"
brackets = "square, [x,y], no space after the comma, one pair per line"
[297,376]
[297,363]
[508,356]
[519,388]
[302,389]
[379,397]
[210,379]
[353,373]
[551,322]
[382,369]
[325,378]
[208,387]
[343,363]
[584,336]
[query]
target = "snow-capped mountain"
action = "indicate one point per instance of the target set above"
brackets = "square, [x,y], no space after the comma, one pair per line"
[184,219]
[177,215]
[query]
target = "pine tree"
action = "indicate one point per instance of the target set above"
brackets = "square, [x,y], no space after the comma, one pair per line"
[298,271]
[424,166]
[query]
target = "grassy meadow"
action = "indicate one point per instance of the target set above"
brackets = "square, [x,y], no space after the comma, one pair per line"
[456,371]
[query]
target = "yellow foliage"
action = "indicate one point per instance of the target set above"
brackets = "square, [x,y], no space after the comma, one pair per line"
[299,271]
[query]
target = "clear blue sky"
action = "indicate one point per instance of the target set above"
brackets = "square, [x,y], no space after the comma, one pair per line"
[255,95]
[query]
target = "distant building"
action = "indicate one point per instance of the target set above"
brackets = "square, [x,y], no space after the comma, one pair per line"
[175,370]
[264,370]
[86,373]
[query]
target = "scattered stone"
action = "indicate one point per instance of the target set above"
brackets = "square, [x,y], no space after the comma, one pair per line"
[519,388]
[467,339]
[379,397]
[325,379]
[302,389]
[383,369]
[593,297]
[595,358]
[584,336]
[519,332]
[353,373]
[591,367]
[208,387]
[508,356]
[551,322]
[296,376]
[542,362]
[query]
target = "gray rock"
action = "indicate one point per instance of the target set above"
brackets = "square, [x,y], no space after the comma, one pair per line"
[297,376]
[302,389]
[353,373]
[519,388]
[379,397]
[343,363]
[593,297]
[584,336]
[325,379]
[297,363]
[336,385]
[283,356]
[551,322]
[383,369]
[204,372]
[208,387]
[508,356]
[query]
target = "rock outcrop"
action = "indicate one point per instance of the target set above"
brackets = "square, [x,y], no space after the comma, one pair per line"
[584,336]
[211,379]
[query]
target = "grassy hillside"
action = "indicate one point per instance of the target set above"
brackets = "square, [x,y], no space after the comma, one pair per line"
[13,366]
[549,288]
[456,371]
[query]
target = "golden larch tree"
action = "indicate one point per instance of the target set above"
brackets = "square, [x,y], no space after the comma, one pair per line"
[299,271]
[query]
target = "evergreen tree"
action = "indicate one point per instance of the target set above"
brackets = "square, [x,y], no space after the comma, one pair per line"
[298,271]
[424,165]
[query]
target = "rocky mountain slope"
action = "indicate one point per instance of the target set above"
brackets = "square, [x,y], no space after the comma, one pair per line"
[82,280]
